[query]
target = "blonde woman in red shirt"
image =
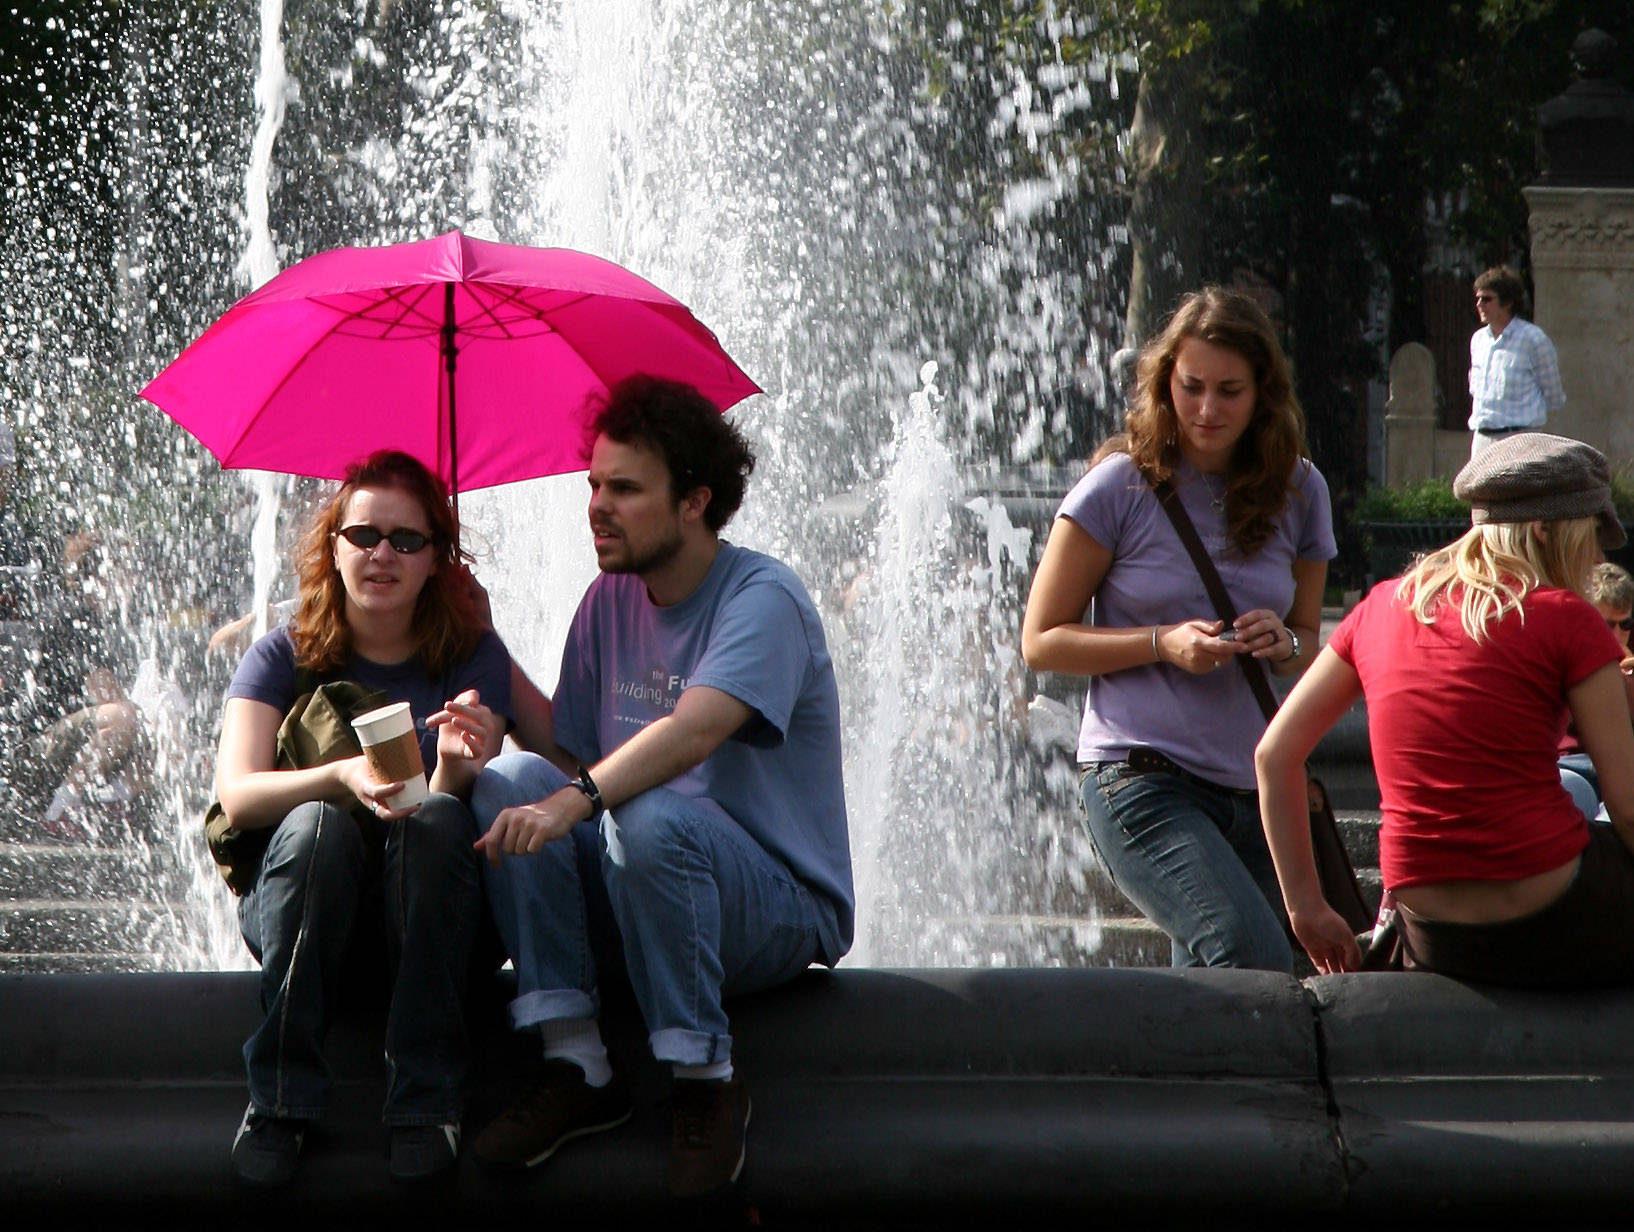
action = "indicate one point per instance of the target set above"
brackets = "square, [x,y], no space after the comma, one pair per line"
[1470,665]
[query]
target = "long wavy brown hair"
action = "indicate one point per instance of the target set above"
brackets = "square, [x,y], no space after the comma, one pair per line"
[446,626]
[1261,474]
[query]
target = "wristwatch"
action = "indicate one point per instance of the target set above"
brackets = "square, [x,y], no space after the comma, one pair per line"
[1293,639]
[587,785]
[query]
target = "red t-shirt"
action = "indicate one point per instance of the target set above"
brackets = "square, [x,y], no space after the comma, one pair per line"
[1464,734]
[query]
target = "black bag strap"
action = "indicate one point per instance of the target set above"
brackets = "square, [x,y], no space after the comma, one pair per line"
[1169,501]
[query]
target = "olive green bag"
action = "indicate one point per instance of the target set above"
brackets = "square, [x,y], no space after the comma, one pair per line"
[316,731]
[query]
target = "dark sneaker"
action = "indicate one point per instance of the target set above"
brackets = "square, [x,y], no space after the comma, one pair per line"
[267,1148]
[706,1146]
[419,1151]
[559,1106]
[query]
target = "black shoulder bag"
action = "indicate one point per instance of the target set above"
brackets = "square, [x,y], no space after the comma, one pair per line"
[1333,865]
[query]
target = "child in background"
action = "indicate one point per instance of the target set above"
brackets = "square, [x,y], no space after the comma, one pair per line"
[1611,590]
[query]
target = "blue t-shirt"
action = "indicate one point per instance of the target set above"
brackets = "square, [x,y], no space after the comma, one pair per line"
[1210,723]
[267,674]
[749,630]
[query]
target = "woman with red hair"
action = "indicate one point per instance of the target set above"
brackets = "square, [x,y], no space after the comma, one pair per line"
[383,603]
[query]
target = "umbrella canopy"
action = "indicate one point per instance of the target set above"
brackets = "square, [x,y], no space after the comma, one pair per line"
[476,358]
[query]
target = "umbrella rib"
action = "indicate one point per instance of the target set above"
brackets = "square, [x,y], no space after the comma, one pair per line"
[340,319]
[508,295]
[410,307]
[486,308]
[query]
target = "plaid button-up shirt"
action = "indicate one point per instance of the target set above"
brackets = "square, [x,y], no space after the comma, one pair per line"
[1514,379]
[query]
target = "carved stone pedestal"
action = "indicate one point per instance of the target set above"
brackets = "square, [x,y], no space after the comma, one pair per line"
[1583,275]
[1409,416]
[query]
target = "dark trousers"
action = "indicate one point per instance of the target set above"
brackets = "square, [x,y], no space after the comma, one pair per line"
[1584,939]
[317,879]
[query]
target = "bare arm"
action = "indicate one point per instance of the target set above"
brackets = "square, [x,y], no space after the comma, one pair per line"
[255,795]
[701,722]
[535,728]
[1329,689]
[1599,706]
[1055,638]
[1304,618]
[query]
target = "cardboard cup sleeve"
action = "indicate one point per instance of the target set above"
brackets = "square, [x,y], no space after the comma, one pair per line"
[392,748]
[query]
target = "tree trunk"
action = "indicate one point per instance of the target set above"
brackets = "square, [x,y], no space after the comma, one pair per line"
[1164,231]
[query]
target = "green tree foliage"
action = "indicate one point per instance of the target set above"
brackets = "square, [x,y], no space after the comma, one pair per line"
[1299,146]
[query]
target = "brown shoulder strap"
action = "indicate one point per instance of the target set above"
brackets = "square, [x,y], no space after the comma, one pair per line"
[1169,501]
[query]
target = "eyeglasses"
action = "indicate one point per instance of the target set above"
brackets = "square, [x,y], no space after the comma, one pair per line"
[1626,624]
[366,537]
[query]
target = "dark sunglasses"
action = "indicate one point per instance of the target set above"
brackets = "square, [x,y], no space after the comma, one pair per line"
[1626,624]
[366,537]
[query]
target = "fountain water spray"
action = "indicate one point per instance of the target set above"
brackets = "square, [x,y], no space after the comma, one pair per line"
[895,222]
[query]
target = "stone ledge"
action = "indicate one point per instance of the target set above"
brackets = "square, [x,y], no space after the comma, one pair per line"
[1479,1101]
[878,1095]
[882,1096]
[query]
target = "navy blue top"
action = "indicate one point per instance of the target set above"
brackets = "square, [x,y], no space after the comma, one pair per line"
[267,674]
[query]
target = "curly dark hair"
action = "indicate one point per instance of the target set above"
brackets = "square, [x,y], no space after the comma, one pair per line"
[446,624]
[699,445]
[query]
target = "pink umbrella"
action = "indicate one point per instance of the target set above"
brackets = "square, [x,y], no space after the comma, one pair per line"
[359,349]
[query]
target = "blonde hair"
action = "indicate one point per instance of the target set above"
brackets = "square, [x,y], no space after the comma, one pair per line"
[1493,567]
[1261,475]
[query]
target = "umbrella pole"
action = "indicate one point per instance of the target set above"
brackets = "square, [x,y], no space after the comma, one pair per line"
[450,351]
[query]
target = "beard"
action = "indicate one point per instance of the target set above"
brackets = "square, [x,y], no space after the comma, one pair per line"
[656,556]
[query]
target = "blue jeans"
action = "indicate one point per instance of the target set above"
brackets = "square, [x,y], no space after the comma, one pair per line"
[1193,858]
[701,908]
[299,923]
[1582,782]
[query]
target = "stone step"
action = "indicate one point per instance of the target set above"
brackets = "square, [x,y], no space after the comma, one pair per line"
[1359,829]
[1060,941]
[37,870]
[1049,941]
[43,926]
[1350,784]
[79,962]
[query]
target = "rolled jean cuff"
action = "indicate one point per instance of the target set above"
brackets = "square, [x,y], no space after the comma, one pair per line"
[679,1046]
[545,1004]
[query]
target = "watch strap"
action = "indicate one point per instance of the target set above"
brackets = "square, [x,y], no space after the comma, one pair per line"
[587,785]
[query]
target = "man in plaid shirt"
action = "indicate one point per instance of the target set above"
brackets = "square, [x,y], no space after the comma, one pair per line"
[1514,378]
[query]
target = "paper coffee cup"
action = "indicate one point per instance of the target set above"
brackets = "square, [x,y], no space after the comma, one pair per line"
[393,750]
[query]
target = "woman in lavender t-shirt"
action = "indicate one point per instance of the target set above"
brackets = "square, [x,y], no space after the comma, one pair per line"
[1167,743]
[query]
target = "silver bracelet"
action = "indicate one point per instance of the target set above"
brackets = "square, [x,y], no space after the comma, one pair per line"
[1293,640]
[1156,657]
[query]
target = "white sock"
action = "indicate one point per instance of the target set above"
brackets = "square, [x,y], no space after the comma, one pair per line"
[578,1040]
[718,1071]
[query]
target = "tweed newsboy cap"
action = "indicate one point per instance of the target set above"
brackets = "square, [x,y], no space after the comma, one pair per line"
[1536,477]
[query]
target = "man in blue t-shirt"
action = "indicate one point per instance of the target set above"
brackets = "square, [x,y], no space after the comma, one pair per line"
[695,791]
